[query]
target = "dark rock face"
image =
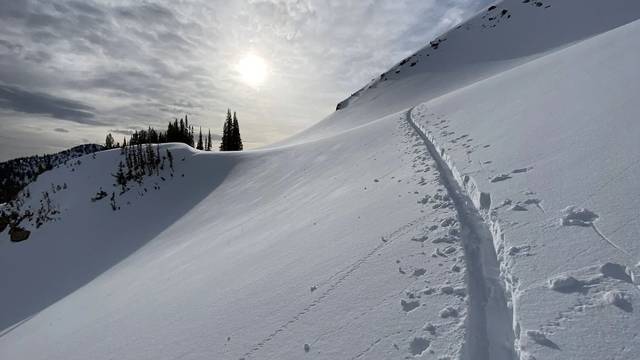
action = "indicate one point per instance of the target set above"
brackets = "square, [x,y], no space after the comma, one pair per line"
[19,234]
[4,222]
[342,105]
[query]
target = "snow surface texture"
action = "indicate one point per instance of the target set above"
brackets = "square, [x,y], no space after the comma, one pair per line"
[479,204]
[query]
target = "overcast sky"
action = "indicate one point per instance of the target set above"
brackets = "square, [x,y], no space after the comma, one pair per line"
[71,71]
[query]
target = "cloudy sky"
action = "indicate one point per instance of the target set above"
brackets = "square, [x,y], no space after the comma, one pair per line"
[73,70]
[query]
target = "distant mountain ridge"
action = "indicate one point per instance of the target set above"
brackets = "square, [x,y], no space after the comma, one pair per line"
[17,173]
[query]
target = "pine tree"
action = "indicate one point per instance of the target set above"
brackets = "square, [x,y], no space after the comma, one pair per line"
[200,146]
[158,160]
[170,157]
[225,145]
[208,148]
[237,140]
[108,142]
[121,178]
[150,159]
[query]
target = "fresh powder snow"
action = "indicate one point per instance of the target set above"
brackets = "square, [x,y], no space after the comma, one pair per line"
[478,201]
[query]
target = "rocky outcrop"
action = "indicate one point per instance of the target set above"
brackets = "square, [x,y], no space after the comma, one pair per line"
[19,234]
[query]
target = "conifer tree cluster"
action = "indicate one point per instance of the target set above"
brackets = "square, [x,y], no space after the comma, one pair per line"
[179,131]
[231,140]
[109,142]
[141,161]
[182,132]
[17,173]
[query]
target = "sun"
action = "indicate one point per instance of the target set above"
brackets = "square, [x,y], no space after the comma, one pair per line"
[253,70]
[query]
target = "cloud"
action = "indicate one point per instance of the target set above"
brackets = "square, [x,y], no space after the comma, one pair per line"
[142,63]
[125,132]
[61,130]
[17,99]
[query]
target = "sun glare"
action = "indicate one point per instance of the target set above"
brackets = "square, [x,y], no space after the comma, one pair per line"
[253,70]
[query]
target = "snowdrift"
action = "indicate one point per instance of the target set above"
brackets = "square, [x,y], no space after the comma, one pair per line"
[477,201]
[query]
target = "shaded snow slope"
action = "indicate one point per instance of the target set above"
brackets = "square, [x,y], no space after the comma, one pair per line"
[354,219]
[480,204]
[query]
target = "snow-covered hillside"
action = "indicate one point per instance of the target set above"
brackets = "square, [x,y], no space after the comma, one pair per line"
[478,204]
[17,173]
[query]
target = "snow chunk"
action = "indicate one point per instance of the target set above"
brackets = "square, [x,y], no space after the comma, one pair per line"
[575,216]
[429,327]
[618,298]
[617,271]
[448,312]
[448,290]
[565,284]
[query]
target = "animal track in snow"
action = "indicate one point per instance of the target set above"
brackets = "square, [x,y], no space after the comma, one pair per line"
[540,338]
[418,345]
[521,170]
[447,290]
[444,240]
[419,272]
[408,306]
[334,282]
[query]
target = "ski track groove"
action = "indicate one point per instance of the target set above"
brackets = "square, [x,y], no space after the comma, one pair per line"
[482,296]
[346,273]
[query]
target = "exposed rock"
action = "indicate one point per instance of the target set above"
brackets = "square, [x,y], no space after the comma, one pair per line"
[19,234]
[4,222]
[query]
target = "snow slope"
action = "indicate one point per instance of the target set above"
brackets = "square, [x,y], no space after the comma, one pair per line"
[431,218]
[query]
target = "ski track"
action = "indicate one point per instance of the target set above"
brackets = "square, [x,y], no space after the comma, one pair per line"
[482,272]
[340,277]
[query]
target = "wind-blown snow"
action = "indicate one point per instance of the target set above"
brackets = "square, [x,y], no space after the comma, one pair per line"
[479,204]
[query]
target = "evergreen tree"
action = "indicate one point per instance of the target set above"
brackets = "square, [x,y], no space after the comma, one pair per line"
[225,145]
[237,140]
[120,177]
[170,158]
[208,148]
[108,142]
[200,146]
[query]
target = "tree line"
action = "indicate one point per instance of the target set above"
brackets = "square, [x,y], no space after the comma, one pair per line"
[181,131]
